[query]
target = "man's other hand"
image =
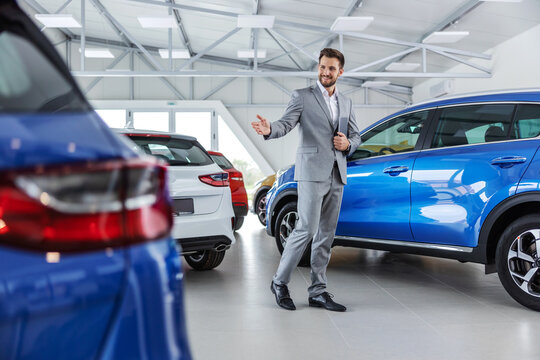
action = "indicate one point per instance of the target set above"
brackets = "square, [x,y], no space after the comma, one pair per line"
[262,127]
[341,142]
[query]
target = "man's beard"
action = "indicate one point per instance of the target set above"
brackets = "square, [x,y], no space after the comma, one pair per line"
[332,83]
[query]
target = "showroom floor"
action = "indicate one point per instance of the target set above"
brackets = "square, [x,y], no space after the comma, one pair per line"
[399,307]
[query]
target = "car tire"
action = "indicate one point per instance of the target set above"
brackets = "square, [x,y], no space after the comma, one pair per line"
[518,260]
[260,207]
[205,260]
[238,222]
[285,223]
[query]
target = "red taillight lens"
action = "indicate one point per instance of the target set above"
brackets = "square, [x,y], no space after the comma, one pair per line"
[78,207]
[236,175]
[219,179]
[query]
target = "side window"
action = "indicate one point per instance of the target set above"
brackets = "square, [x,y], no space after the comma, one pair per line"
[527,123]
[396,135]
[473,124]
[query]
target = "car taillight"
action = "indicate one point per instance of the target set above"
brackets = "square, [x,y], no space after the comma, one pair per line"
[219,179]
[236,175]
[79,207]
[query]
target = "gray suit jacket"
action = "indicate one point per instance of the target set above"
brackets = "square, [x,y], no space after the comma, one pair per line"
[316,153]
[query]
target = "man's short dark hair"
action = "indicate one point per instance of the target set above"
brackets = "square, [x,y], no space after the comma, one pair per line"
[333,53]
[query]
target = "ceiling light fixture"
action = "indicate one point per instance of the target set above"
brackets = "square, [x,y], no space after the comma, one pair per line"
[163,22]
[375,84]
[351,23]
[255,21]
[250,54]
[510,1]
[402,66]
[99,53]
[445,37]
[176,53]
[58,20]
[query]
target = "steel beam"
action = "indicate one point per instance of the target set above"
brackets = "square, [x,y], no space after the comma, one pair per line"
[401,53]
[213,45]
[468,63]
[123,33]
[111,66]
[278,85]
[295,49]
[263,74]
[355,4]
[217,88]
[381,91]
[299,47]
[163,78]
[182,31]
[285,52]
[41,10]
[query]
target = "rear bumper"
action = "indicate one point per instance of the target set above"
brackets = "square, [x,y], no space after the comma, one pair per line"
[240,209]
[215,243]
[200,228]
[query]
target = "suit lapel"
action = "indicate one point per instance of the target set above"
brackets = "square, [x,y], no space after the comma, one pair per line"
[342,120]
[317,92]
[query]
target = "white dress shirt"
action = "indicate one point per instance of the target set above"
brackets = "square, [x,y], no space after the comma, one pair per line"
[331,103]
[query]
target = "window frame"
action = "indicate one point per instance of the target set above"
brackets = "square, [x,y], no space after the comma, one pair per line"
[423,133]
[436,118]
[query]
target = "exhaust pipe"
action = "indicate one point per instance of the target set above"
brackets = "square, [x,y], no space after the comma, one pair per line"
[222,247]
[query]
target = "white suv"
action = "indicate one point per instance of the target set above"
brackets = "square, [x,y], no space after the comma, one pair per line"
[201,196]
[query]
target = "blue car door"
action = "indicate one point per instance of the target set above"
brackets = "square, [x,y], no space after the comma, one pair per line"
[376,199]
[474,161]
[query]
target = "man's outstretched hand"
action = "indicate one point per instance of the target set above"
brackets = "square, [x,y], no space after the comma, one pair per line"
[262,127]
[341,142]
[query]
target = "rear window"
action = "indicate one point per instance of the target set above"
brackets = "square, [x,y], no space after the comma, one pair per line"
[222,161]
[29,82]
[174,151]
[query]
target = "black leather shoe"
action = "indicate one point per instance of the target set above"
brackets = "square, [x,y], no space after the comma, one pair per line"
[324,300]
[283,299]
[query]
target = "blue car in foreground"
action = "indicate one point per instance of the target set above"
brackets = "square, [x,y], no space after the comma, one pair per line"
[456,178]
[88,269]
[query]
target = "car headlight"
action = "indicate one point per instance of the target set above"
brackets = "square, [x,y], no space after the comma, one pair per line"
[282,171]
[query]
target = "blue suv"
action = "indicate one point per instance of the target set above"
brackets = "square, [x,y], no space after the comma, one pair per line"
[456,178]
[88,268]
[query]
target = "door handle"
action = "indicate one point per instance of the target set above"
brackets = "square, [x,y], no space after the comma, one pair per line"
[394,170]
[508,161]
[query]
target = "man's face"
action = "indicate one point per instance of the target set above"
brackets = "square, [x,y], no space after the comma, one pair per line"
[329,71]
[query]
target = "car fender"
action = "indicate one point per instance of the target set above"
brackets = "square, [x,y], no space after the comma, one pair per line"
[274,202]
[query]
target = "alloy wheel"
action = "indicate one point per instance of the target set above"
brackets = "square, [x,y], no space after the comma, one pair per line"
[287,226]
[524,261]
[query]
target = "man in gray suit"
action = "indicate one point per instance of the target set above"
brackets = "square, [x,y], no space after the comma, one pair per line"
[328,134]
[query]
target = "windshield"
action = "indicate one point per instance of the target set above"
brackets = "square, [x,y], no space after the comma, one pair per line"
[174,151]
[222,161]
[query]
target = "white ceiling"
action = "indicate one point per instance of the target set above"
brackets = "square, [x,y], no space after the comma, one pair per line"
[489,24]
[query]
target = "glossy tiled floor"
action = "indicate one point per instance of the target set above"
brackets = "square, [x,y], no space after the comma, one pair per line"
[399,307]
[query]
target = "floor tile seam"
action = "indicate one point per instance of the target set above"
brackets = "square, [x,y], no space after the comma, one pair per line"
[406,307]
[328,315]
[466,295]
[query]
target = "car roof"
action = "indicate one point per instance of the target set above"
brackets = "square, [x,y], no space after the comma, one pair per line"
[516,95]
[151,133]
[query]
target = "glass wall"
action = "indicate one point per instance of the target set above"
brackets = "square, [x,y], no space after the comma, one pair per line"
[151,120]
[113,118]
[196,124]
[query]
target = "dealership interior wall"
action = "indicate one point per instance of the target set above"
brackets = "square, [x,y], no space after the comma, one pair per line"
[517,59]
[400,306]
